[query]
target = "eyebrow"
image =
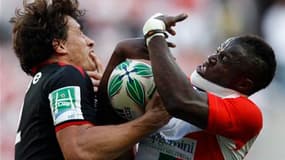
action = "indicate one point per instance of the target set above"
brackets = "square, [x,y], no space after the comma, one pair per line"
[231,53]
[237,50]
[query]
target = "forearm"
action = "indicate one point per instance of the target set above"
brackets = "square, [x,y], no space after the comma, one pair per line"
[130,48]
[167,72]
[112,141]
[116,58]
[102,142]
[180,99]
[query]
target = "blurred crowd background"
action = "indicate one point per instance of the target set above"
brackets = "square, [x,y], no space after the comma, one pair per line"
[210,22]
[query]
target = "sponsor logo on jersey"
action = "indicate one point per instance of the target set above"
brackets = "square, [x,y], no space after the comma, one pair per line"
[169,149]
[65,104]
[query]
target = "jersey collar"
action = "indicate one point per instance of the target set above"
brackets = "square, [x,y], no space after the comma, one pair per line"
[201,83]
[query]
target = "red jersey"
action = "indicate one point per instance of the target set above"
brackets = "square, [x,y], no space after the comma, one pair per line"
[233,125]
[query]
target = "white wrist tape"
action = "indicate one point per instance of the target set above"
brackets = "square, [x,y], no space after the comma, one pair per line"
[153,24]
[154,35]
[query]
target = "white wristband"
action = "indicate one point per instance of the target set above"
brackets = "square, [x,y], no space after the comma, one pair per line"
[153,24]
[154,35]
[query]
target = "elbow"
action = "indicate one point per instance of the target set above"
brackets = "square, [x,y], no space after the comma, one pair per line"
[121,46]
[173,106]
[180,105]
[119,49]
[193,111]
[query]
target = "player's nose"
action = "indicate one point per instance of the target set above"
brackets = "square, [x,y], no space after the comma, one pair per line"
[212,59]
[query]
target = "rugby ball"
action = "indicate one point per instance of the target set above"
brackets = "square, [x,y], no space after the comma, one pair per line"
[130,87]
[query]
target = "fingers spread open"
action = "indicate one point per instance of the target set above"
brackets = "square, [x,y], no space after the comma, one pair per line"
[180,17]
[171,31]
[171,45]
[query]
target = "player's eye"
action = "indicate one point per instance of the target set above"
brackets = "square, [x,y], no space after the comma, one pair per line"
[218,50]
[223,58]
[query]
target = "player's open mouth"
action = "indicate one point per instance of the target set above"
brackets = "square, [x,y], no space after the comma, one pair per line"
[202,68]
[91,52]
[91,55]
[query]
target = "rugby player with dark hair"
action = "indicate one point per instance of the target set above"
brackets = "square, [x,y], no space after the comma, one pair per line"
[59,118]
[215,118]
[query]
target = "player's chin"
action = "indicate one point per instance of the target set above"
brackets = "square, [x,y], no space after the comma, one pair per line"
[200,70]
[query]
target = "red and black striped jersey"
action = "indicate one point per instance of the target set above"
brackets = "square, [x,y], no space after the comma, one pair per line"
[59,96]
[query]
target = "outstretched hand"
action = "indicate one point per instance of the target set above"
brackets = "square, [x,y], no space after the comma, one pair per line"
[170,21]
[159,24]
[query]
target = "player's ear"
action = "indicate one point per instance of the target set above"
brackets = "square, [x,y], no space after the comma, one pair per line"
[58,46]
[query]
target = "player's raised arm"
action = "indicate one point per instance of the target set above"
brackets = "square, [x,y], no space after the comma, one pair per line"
[220,109]
[172,84]
[133,48]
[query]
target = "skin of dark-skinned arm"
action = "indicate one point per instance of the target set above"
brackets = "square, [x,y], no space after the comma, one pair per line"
[108,141]
[133,49]
[175,89]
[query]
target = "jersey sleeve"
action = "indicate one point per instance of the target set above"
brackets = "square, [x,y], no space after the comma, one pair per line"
[68,97]
[235,118]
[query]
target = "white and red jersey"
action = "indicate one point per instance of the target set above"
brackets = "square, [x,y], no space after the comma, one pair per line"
[233,125]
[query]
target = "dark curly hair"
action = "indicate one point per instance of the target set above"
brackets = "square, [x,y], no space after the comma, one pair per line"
[37,25]
[262,56]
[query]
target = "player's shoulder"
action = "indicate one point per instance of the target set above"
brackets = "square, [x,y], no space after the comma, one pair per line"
[234,99]
[67,69]
[251,114]
[242,110]
[242,101]
[61,69]
[237,103]
[61,75]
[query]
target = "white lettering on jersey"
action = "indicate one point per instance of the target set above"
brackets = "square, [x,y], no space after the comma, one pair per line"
[65,104]
[37,77]
[156,147]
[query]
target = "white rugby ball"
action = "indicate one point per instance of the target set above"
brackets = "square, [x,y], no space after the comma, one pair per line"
[130,87]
